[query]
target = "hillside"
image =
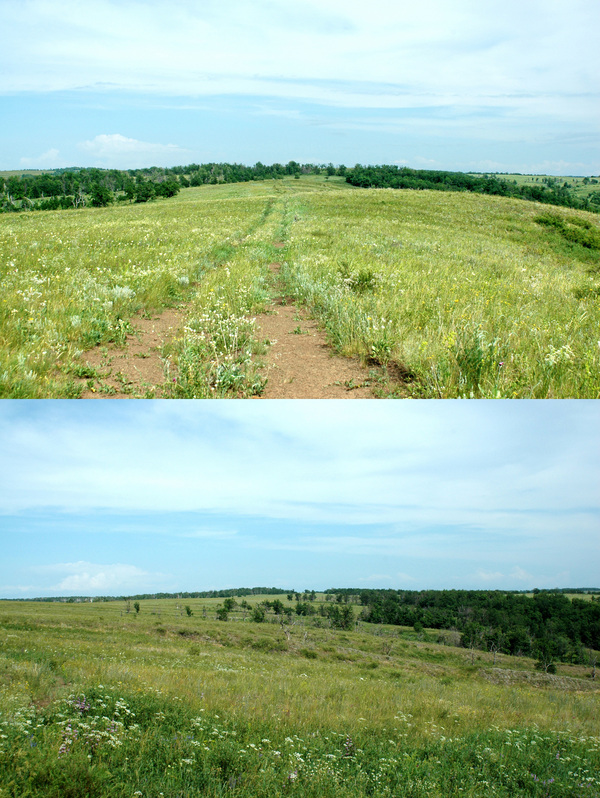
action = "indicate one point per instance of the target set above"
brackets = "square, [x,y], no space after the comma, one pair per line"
[101,700]
[451,294]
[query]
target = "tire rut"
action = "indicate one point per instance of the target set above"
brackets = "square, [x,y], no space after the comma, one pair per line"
[300,363]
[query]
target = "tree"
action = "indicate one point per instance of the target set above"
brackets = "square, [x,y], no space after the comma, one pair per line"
[472,638]
[341,616]
[129,189]
[277,606]
[15,188]
[144,192]
[136,606]
[258,614]
[169,188]
[545,656]
[100,196]
[593,661]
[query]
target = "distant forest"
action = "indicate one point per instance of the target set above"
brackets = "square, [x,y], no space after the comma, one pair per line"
[552,191]
[550,625]
[75,187]
[196,594]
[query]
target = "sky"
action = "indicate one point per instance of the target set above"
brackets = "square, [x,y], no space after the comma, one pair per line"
[500,85]
[121,498]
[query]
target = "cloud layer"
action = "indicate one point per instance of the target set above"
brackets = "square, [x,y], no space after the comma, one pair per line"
[86,578]
[436,52]
[321,464]
[496,82]
[115,147]
[192,495]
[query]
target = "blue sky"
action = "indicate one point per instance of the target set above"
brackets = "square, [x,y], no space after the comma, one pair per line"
[110,498]
[503,85]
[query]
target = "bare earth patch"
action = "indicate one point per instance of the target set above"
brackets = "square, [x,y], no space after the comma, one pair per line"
[136,370]
[299,361]
[511,677]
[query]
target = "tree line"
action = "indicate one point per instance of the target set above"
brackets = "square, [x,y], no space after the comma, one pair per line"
[77,187]
[63,189]
[548,625]
[338,617]
[196,594]
[552,192]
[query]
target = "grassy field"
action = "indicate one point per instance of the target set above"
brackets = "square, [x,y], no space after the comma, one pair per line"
[99,700]
[574,183]
[457,294]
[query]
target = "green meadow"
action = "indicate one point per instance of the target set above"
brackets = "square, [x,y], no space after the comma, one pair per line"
[163,699]
[456,294]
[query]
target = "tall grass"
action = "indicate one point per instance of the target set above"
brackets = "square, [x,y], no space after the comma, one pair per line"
[471,295]
[73,279]
[461,295]
[98,701]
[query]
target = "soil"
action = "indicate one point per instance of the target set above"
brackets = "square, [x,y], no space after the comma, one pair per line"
[136,370]
[299,363]
[537,679]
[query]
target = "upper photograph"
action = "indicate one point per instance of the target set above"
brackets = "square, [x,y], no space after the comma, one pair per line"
[331,200]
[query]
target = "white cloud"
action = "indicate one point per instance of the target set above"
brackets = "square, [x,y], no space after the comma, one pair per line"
[426,163]
[398,579]
[48,160]
[439,71]
[520,574]
[83,578]
[425,487]
[490,576]
[116,149]
[518,579]
[477,466]
[447,50]
[210,534]
[402,577]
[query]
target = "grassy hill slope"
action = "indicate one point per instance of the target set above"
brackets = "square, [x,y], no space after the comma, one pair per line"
[456,294]
[96,700]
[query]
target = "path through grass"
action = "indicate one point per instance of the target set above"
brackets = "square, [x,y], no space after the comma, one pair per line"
[455,294]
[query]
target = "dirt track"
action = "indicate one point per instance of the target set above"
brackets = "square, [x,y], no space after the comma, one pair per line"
[299,363]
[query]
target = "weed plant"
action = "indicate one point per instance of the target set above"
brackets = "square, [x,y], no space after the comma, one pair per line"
[215,358]
[98,701]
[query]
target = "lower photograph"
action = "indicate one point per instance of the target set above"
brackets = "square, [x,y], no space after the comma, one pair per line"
[311,598]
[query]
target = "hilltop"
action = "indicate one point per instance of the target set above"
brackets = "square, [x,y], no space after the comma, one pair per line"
[433,293]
